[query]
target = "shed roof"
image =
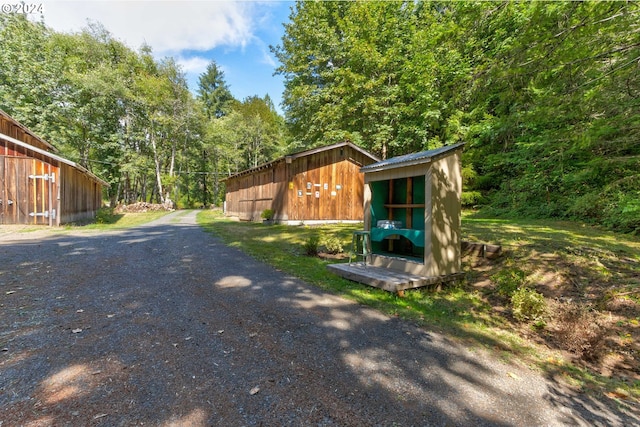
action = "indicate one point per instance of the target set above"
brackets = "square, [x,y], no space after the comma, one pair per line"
[53,157]
[291,157]
[411,159]
[28,131]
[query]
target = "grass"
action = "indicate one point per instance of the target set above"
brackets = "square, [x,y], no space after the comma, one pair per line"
[106,219]
[553,254]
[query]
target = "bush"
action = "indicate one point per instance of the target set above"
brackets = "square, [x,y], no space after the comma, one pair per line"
[267,214]
[105,216]
[311,245]
[471,198]
[508,280]
[333,245]
[528,305]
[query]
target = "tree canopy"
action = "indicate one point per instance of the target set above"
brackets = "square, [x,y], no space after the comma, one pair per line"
[129,117]
[545,95]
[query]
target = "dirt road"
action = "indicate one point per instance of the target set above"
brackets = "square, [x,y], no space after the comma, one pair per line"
[163,325]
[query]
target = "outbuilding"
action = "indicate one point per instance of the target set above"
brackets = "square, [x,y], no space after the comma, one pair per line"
[412,221]
[37,186]
[319,185]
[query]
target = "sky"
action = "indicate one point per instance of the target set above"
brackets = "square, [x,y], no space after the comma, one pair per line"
[235,34]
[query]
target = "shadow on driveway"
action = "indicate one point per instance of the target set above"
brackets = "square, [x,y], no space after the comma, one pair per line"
[164,325]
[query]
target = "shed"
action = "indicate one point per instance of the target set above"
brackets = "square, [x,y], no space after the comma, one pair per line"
[412,216]
[313,186]
[37,186]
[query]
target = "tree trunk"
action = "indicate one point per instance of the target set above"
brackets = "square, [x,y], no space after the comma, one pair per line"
[156,160]
[172,164]
[205,194]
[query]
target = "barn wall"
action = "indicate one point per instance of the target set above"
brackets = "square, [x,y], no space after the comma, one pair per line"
[80,196]
[323,186]
[11,128]
[37,182]
[249,195]
[25,196]
[327,186]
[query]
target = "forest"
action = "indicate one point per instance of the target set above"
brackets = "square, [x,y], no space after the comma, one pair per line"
[130,118]
[545,95]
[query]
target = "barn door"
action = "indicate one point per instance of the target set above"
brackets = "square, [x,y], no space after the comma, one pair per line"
[26,191]
[4,201]
[10,202]
[41,185]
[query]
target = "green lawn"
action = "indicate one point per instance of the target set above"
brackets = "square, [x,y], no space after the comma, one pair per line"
[550,254]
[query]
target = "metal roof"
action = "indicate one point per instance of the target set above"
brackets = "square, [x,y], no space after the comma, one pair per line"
[53,157]
[411,159]
[294,156]
[28,131]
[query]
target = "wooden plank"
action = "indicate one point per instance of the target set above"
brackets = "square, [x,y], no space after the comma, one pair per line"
[3,191]
[389,280]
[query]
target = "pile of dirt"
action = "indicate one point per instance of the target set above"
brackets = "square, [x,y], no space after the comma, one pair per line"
[143,207]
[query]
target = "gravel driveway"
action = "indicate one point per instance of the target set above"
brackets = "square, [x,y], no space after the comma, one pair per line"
[163,325]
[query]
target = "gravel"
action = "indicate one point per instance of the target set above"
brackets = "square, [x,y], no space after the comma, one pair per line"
[163,325]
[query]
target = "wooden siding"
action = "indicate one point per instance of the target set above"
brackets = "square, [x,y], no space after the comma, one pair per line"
[26,197]
[324,185]
[12,128]
[39,187]
[80,196]
[249,195]
[445,218]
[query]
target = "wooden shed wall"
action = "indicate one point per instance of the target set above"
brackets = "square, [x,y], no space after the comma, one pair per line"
[80,196]
[327,186]
[248,195]
[443,258]
[323,186]
[24,195]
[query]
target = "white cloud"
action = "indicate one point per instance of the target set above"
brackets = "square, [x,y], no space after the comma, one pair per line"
[167,26]
[268,59]
[194,64]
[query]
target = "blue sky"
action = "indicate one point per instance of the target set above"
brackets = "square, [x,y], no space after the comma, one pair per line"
[236,34]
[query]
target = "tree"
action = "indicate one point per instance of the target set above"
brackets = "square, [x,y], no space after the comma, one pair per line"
[364,72]
[216,100]
[31,74]
[544,94]
[213,92]
[260,130]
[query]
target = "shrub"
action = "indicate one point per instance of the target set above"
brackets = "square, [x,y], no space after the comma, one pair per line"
[508,280]
[333,245]
[105,216]
[528,304]
[471,198]
[311,245]
[267,214]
